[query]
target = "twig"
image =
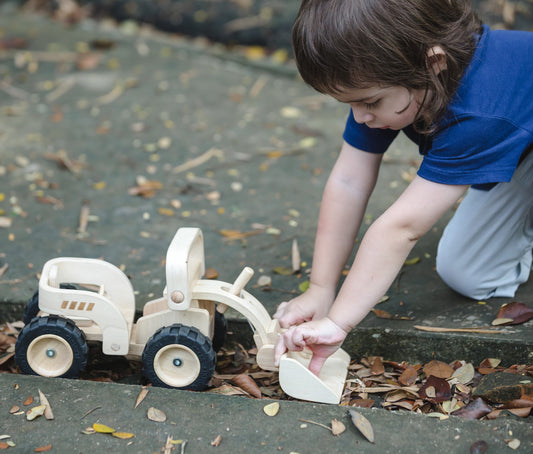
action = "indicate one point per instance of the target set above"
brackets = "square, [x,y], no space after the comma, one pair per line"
[437,329]
[114,94]
[316,424]
[90,411]
[63,88]
[211,153]
[14,91]
[84,217]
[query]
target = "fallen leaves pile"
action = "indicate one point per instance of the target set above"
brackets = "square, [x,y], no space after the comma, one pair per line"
[486,390]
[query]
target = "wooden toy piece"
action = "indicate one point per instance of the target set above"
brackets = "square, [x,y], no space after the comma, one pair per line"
[82,300]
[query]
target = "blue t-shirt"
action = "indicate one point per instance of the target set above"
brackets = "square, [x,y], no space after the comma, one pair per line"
[488,124]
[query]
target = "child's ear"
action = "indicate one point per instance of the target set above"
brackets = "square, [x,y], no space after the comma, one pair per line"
[436,59]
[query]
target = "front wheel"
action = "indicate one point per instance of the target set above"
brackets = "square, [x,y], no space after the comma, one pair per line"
[179,356]
[51,346]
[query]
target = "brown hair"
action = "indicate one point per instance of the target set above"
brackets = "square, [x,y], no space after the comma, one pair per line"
[341,44]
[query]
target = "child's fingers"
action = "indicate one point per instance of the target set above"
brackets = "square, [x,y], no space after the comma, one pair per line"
[281,310]
[279,349]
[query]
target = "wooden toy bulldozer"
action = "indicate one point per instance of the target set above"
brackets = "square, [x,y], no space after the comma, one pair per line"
[82,300]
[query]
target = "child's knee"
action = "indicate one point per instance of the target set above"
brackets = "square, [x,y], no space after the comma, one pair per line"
[459,278]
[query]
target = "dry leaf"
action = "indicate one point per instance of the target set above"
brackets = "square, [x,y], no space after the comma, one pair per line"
[337,427]
[247,383]
[216,441]
[102,429]
[513,444]
[211,273]
[35,412]
[412,261]
[377,368]
[516,312]
[363,425]
[474,410]
[271,409]
[43,448]
[48,414]
[436,390]
[438,369]
[479,447]
[283,270]
[156,415]
[3,445]
[296,260]
[123,435]
[141,396]
[382,314]
[28,401]
[14,409]
[408,376]
[465,374]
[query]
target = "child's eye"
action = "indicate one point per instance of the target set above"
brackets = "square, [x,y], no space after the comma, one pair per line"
[372,105]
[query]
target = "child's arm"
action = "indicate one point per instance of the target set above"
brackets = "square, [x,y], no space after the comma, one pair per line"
[343,206]
[381,254]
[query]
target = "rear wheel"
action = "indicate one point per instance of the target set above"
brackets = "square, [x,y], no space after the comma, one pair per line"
[51,347]
[221,328]
[32,306]
[179,356]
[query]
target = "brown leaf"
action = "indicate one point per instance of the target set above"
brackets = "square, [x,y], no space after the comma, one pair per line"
[43,448]
[382,314]
[141,396]
[4,445]
[474,410]
[490,363]
[377,368]
[438,369]
[28,401]
[6,341]
[408,376]
[516,312]
[435,390]
[363,425]
[247,383]
[216,441]
[479,447]
[211,273]
[362,403]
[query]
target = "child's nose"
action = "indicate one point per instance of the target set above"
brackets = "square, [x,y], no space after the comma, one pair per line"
[361,115]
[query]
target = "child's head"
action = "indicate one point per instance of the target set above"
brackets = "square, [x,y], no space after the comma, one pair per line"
[343,44]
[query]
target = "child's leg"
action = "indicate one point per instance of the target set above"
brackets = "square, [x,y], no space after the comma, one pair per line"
[485,250]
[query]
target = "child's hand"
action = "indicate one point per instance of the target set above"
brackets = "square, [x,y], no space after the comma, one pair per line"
[323,337]
[312,305]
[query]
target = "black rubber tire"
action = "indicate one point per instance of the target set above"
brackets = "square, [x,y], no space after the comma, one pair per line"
[183,350]
[32,306]
[31,309]
[62,336]
[220,331]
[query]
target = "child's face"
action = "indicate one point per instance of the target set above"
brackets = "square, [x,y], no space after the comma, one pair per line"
[383,107]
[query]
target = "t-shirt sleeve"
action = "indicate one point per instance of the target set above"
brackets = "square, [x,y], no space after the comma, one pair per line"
[367,139]
[473,150]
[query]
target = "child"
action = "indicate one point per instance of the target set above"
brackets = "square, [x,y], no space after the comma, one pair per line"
[462,92]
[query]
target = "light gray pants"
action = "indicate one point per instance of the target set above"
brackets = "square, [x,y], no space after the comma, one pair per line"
[485,250]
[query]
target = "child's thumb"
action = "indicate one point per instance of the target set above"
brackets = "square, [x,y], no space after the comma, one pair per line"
[316,363]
